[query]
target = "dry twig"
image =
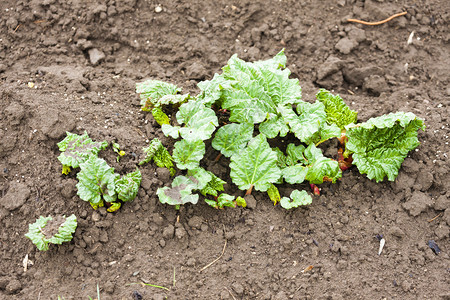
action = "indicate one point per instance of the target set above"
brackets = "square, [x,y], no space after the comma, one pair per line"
[230,293]
[377,23]
[435,218]
[211,263]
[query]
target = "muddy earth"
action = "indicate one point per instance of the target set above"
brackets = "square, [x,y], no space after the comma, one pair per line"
[73,65]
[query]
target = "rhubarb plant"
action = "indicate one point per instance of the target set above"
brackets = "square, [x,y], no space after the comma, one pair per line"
[245,111]
[49,230]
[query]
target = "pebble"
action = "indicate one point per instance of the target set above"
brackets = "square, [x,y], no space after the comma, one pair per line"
[346,45]
[251,201]
[180,233]
[96,56]
[16,196]
[158,9]
[442,203]
[95,216]
[168,232]
[418,203]
[195,222]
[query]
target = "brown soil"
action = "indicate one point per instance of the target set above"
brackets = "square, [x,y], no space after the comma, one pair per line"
[84,58]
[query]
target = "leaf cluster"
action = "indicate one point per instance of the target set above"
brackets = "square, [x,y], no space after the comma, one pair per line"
[262,102]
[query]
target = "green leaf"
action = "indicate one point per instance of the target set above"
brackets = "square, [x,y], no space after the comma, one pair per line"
[295,154]
[320,168]
[274,125]
[159,116]
[42,233]
[380,145]
[180,192]
[175,100]
[200,177]
[274,194]
[76,149]
[295,174]
[172,131]
[127,186]
[256,165]
[214,186]
[232,138]
[327,132]
[306,125]
[256,90]
[212,89]
[187,154]
[151,91]
[337,111]
[96,180]
[225,200]
[200,121]
[297,198]
[159,154]
[241,202]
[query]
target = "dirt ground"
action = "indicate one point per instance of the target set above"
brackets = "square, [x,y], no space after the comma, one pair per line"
[73,65]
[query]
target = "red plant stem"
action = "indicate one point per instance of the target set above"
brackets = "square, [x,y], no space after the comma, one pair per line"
[249,191]
[315,189]
[218,157]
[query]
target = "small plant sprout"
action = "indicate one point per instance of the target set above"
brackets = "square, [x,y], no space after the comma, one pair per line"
[116,148]
[382,242]
[49,230]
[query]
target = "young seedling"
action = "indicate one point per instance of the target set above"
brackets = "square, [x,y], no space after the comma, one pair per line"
[49,230]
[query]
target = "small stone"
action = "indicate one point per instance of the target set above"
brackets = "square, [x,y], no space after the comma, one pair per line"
[238,288]
[13,286]
[357,34]
[180,232]
[190,262]
[397,232]
[375,85]
[158,9]
[418,203]
[442,232]
[128,257]
[442,203]
[69,189]
[168,232]
[16,196]
[346,45]
[196,71]
[95,56]
[195,222]
[95,216]
[162,243]
[163,174]
[424,181]
[251,201]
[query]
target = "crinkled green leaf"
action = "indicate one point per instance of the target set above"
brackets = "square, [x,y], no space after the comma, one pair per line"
[297,198]
[212,89]
[200,121]
[159,154]
[320,168]
[274,194]
[159,116]
[380,145]
[225,200]
[232,138]
[127,186]
[214,186]
[257,89]
[180,192]
[241,202]
[172,131]
[151,91]
[274,125]
[41,237]
[76,149]
[281,158]
[187,154]
[256,165]
[329,131]
[306,125]
[175,100]
[202,176]
[295,174]
[96,181]
[294,154]
[337,111]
